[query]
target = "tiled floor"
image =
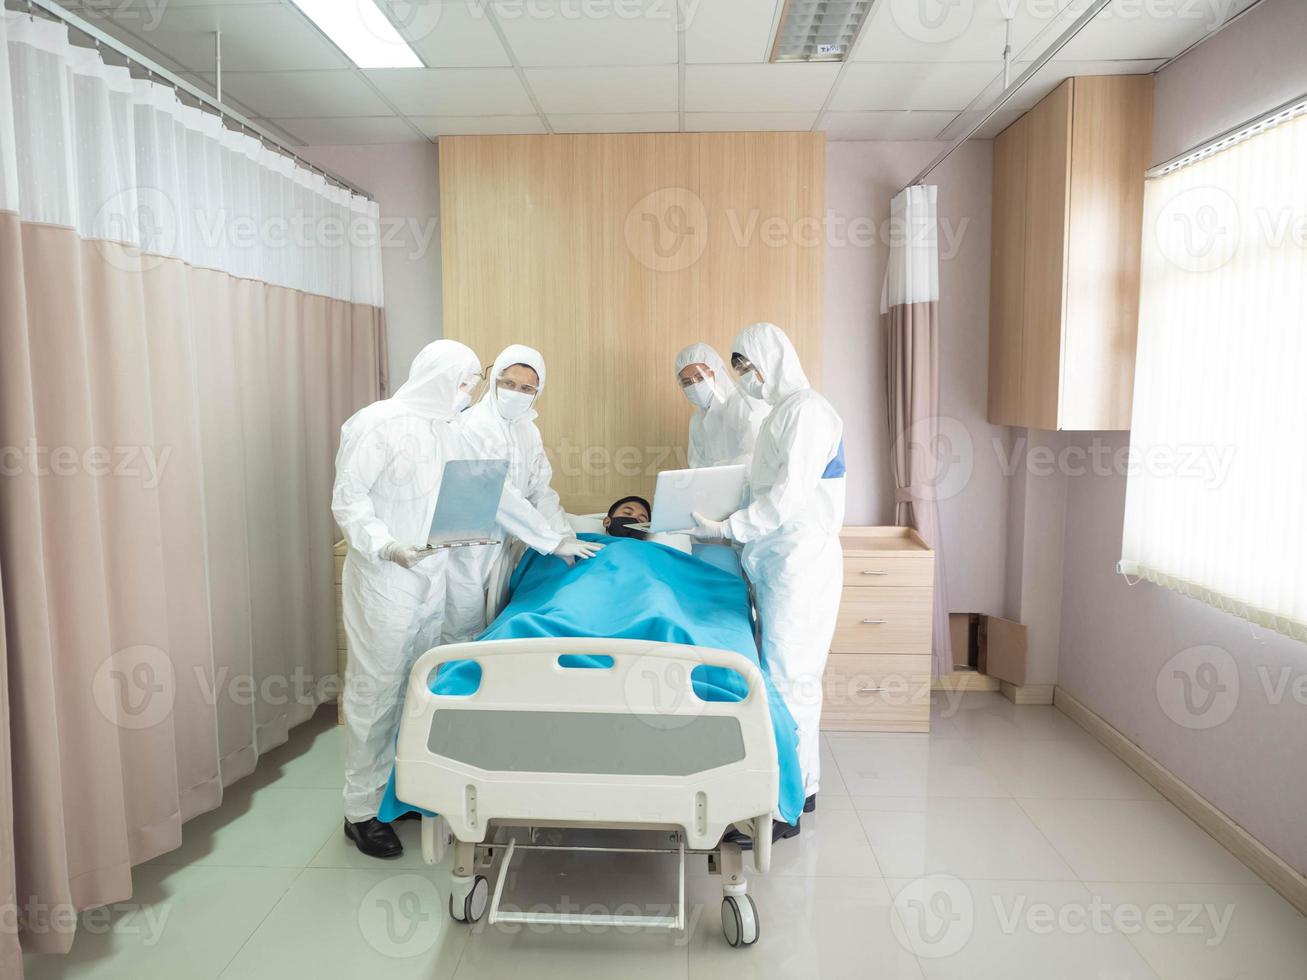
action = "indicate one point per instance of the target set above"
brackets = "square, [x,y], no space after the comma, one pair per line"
[1007,844]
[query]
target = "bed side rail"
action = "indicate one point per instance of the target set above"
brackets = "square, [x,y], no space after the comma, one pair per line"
[630,744]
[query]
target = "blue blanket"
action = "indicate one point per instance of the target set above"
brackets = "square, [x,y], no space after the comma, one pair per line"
[641,591]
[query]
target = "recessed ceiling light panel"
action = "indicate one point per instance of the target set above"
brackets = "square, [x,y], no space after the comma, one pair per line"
[819,30]
[362,32]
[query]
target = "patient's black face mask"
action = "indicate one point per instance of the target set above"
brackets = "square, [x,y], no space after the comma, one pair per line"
[620,527]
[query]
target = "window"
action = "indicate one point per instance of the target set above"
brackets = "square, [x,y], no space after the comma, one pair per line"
[1216,501]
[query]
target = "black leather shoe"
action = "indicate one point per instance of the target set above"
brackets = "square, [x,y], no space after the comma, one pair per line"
[780,830]
[374,838]
[810,804]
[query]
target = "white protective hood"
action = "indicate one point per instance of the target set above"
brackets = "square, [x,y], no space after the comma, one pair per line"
[435,376]
[769,350]
[510,355]
[723,381]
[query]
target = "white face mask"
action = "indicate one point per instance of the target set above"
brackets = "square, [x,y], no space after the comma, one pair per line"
[513,404]
[700,394]
[462,400]
[751,385]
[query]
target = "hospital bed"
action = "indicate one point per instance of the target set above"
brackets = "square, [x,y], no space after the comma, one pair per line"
[541,752]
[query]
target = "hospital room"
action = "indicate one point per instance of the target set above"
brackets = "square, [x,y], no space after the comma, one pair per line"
[653,489]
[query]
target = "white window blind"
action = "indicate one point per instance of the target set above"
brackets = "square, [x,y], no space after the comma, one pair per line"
[1216,503]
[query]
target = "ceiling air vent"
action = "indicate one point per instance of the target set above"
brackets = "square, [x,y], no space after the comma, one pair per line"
[819,30]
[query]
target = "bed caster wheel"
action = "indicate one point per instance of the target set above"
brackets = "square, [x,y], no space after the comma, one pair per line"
[471,904]
[740,920]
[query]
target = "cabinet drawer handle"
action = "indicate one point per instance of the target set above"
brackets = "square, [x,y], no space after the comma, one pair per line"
[865,572]
[873,622]
[869,690]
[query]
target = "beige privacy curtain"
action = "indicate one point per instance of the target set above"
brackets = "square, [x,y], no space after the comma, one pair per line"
[910,306]
[186,320]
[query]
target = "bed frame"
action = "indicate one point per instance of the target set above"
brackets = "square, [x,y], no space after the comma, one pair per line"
[628,747]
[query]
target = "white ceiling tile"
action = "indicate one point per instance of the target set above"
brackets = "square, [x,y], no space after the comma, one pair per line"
[758,88]
[723,31]
[749,122]
[348,130]
[453,91]
[1052,74]
[885,125]
[972,30]
[435,126]
[576,33]
[1137,29]
[254,38]
[602,90]
[617,122]
[282,94]
[448,33]
[882,85]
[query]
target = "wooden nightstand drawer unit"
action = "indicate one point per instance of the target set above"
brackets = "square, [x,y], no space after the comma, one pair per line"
[878,674]
[891,571]
[876,693]
[883,621]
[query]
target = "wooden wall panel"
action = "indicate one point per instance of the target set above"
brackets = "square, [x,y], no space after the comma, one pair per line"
[610,253]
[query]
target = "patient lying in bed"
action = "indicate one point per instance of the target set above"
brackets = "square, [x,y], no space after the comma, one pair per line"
[634,590]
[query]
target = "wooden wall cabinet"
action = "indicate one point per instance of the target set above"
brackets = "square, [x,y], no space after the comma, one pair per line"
[1064,277]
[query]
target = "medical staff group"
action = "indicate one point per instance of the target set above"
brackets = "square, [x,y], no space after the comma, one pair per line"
[401,598]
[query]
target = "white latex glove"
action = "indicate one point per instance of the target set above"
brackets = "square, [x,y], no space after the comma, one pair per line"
[570,548]
[706,529]
[402,555]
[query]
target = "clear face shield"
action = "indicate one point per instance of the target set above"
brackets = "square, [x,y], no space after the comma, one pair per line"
[467,387]
[750,378]
[697,384]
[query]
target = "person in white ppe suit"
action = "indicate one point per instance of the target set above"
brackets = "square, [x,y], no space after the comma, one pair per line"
[725,422]
[388,472]
[790,531]
[502,426]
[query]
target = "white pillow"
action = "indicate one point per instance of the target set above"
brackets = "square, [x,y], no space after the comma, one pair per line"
[587,523]
[594,524]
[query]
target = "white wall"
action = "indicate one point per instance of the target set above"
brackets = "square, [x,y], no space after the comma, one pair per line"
[404,178]
[1118,640]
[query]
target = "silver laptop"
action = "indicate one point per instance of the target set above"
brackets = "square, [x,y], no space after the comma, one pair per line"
[468,502]
[716,492]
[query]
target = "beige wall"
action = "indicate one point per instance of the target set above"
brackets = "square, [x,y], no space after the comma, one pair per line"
[1255,64]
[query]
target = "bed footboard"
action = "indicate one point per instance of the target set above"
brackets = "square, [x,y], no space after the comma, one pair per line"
[629,744]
